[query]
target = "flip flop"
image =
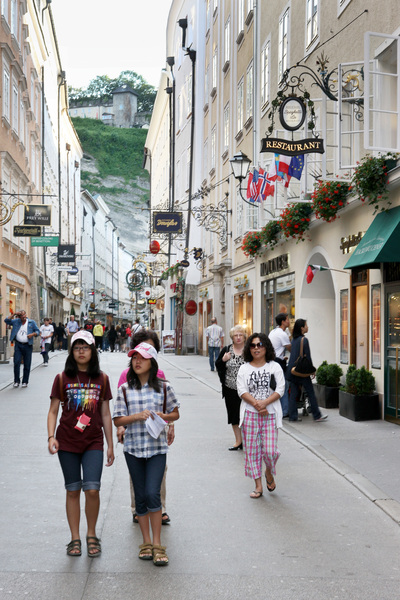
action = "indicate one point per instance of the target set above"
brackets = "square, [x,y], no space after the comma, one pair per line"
[165,518]
[271,485]
[255,495]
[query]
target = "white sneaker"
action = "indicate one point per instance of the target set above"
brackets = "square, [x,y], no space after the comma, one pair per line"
[45,364]
[24,385]
[16,384]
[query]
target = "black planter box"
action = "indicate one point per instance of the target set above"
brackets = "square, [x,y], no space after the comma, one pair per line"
[327,397]
[359,408]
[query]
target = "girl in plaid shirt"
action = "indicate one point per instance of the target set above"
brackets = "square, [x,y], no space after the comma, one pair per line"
[146,456]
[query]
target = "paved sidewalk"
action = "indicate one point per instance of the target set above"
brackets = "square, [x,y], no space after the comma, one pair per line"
[7,370]
[364,452]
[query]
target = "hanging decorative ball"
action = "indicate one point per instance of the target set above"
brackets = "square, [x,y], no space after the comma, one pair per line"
[154,247]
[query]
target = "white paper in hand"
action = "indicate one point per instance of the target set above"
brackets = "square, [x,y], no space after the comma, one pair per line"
[155,426]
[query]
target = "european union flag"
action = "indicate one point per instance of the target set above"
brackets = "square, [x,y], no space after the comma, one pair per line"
[296,166]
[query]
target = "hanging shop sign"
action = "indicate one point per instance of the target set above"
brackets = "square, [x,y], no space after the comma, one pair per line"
[151,301]
[134,279]
[154,247]
[191,307]
[37,214]
[203,293]
[292,113]
[184,263]
[167,222]
[66,253]
[28,231]
[280,263]
[50,240]
[290,148]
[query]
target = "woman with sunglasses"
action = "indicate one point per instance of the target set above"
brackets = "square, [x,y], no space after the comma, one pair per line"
[137,400]
[84,393]
[260,384]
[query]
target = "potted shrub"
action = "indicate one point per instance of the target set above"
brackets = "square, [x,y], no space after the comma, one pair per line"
[295,220]
[327,386]
[370,179]
[251,243]
[357,400]
[328,198]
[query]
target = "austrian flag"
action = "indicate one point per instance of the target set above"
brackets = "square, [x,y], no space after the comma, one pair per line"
[312,269]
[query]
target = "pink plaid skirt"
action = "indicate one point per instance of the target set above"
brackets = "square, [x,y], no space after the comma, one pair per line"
[260,442]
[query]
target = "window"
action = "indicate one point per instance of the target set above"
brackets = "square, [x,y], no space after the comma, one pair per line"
[250,5]
[4,10]
[6,94]
[213,146]
[265,74]
[214,67]
[189,93]
[312,21]
[208,15]
[376,326]
[15,107]
[344,326]
[205,160]
[226,127]
[283,43]
[249,92]
[206,83]
[22,123]
[240,105]
[14,18]
[240,16]
[227,48]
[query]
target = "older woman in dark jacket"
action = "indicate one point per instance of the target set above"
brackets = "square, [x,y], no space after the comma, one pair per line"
[229,361]
[300,328]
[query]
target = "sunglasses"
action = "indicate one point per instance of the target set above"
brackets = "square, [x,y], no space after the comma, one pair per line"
[258,345]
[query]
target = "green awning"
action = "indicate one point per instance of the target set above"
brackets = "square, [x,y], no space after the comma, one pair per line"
[380,244]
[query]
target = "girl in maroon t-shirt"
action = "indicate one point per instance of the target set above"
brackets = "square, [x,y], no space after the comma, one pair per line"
[84,393]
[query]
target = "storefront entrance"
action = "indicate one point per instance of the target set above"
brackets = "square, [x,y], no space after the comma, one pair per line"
[392,374]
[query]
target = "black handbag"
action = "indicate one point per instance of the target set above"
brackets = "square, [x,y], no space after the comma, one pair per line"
[303,366]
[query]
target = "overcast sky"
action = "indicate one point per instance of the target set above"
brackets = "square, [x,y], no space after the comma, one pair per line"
[99,37]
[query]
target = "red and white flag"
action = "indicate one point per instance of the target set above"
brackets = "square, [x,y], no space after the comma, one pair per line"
[312,269]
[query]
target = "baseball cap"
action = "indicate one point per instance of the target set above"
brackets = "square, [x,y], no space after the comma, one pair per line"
[145,350]
[84,335]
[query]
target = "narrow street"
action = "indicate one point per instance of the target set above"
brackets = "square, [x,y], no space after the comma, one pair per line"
[317,537]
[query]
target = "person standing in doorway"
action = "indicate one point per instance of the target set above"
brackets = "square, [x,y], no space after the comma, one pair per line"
[281,342]
[72,327]
[46,335]
[215,340]
[22,334]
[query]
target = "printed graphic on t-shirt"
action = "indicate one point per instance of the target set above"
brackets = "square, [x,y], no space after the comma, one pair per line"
[83,396]
[258,384]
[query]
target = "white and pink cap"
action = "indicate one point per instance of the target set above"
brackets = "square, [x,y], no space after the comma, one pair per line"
[145,350]
[84,335]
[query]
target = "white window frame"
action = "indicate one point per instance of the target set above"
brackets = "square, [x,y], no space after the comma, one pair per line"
[14,18]
[227,40]
[249,91]
[213,147]
[189,93]
[240,105]
[341,6]
[312,22]
[372,112]
[240,16]
[6,94]
[348,126]
[265,73]
[5,10]
[205,159]
[208,11]
[215,67]
[226,127]
[283,44]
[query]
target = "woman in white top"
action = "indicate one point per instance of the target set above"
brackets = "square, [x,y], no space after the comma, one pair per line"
[260,384]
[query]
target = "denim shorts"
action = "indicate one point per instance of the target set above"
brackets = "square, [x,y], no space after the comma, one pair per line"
[81,471]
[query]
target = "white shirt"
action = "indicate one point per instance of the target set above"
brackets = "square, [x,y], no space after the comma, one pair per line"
[45,331]
[214,334]
[256,381]
[22,335]
[279,339]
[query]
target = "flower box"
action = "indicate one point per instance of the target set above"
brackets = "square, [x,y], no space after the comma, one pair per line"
[359,408]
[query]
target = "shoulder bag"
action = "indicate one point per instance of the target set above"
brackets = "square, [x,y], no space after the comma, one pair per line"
[303,366]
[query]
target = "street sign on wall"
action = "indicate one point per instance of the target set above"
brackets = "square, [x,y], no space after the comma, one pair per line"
[28,230]
[66,253]
[37,214]
[50,240]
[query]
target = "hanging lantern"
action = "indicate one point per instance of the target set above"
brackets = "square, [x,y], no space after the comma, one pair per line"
[154,247]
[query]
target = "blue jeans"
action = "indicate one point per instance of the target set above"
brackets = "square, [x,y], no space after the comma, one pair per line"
[45,354]
[213,352]
[81,470]
[22,351]
[295,384]
[285,400]
[146,475]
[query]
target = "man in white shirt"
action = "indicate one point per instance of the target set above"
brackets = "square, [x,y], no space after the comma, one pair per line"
[46,334]
[72,327]
[22,334]
[215,341]
[281,342]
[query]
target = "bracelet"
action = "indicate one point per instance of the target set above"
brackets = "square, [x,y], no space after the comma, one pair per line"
[48,439]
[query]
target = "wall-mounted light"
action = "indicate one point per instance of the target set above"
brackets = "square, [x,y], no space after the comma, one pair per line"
[240,164]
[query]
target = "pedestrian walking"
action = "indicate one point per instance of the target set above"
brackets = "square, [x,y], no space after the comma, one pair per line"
[260,384]
[22,333]
[228,363]
[123,338]
[138,400]
[296,383]
[46,335]
[149,337]
[98,332]
[52,339]
[59,334]
[71,328]
[215,341]
[281,343]
[84,394]
[112,337]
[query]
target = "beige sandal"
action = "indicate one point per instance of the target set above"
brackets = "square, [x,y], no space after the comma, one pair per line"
[146,551]
[160,558]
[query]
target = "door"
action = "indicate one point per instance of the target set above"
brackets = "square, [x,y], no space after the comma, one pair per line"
[392,395]
[361,326]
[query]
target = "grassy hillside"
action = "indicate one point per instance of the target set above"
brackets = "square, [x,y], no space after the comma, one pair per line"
[112,167]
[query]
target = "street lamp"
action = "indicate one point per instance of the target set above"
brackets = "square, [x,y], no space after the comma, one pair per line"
[240,164]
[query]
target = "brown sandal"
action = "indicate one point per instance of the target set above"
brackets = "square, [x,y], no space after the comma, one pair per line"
[93,546]
[146,551]
[160,558]
[74,548]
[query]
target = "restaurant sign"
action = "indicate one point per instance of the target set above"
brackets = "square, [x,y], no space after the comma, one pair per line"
[291,148]
[167,222]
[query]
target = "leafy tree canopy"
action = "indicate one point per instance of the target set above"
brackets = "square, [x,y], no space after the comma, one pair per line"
[102,87]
